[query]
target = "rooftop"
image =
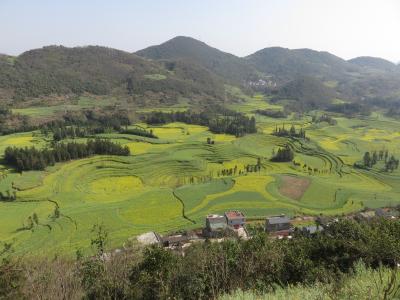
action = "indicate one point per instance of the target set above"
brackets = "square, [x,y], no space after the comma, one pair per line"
[234,214]
[278,220]
[214,216]
[148,238]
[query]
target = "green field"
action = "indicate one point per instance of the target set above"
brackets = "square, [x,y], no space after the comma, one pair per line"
[173,182]
[51,110]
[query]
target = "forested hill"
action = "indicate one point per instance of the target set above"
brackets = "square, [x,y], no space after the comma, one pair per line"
[102,71]
[226,65]
[187,68]
[307,93]
[286,64]
[375,63]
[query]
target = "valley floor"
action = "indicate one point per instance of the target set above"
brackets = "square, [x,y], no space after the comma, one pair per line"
[180,174]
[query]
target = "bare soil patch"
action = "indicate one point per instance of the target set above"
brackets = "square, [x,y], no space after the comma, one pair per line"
[294,187]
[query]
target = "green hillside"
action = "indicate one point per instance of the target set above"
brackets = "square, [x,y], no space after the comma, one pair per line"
[58,70]
[374,63]
[286,64]
[228,66]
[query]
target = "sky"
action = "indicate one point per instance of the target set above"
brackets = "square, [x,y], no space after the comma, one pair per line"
[347,28]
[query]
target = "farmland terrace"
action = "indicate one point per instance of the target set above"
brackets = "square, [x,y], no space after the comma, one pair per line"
[173,180]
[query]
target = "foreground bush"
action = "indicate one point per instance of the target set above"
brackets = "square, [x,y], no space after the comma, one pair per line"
[364,283]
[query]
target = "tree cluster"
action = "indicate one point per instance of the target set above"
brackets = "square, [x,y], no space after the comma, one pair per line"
[284,154]
[25,159]
[272,113]
[350,109]
[292,132]
[324,118]
[140,132]
[12,123]
[370,160]
[220,121]
[391,164]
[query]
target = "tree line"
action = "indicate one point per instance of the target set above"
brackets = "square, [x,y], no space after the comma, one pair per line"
[140,132]
[24,159]
[218,121]
[292,132]
[324,118]
[72,132]
[369,160]
[272,113]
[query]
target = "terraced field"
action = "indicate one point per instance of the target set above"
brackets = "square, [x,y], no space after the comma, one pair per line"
[171,183]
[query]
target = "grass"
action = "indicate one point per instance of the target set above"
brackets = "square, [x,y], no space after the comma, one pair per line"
[364,283]
[179,172]
[155,76]
[51,110]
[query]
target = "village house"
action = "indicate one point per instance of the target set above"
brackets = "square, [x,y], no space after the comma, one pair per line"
[235,219]
[216,226]
[386,213]
[311,229]
[277,223]
[175,240]
[149,238]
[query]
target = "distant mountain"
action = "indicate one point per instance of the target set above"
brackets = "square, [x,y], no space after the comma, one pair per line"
[187,68]
[286,64]
[374,63]
[228,66]
[100,70]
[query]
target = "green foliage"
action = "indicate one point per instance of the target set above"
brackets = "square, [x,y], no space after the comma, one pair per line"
[263,265]
[283,155]
[288,64]
[100,239]
[101,71]
[11,274]
[309,93]
[32,159]
[218,120]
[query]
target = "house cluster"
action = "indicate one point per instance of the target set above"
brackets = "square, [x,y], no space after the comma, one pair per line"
[262,83]
[218,227]
[387,213]
[233,224]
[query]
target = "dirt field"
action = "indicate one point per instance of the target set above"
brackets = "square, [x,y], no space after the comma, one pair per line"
[293,187]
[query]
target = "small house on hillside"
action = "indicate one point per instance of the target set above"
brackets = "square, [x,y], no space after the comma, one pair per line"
[311,229]
[277,223]
[235,219]
[324,221]
[215,226]
[175,240]
[149,238]
[366,215]
[386,213]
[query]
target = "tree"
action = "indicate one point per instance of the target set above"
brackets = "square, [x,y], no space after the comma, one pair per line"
[374,158]
[35,218]
[100,239]
[367,159]
[292,131]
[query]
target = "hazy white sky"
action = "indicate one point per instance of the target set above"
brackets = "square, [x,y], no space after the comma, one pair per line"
[347,28]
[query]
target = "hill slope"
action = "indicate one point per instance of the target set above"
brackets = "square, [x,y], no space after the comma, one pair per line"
[374,63]
[100,70]
[228,66]
[308,93]
[286,64]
